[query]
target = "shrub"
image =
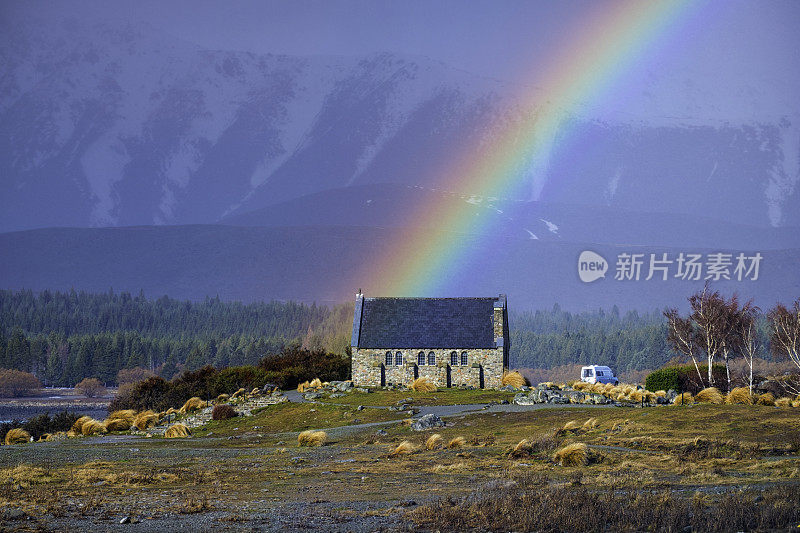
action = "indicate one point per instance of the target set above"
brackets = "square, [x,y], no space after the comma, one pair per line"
[17,383]
[434,441]
[683,378]
[515,379]
[311,438]
[294,365]
[709,395]
[177,431]
[423,384]
[575,454]
[17,436]
[133,375]
[223,412]
[90,387]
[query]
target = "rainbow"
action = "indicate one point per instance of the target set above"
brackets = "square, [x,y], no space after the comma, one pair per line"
[611,38]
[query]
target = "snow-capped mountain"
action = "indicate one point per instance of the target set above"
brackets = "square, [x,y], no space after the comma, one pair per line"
[123,125]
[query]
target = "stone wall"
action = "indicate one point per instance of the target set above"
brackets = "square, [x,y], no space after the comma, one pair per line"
[369,366]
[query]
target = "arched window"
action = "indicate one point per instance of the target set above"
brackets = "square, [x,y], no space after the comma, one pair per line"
[431,358]
[421,358]
[463,358]
[398,358]
[453,358]
[388,358]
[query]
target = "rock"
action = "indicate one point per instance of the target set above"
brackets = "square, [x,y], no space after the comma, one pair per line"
[360,408]
[336,395]
[344,386]
[524,399]
[381,433]
[428,421]
[312,395]
[125,520]
[507,388]
[269,387]
[14,514]
[362,389]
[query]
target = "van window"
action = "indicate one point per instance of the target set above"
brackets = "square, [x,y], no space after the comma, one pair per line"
[599,372]
[587,372]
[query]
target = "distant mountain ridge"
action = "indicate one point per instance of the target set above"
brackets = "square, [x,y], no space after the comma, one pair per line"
[123,125]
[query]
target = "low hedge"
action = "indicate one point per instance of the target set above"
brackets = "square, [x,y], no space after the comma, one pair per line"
[684,378]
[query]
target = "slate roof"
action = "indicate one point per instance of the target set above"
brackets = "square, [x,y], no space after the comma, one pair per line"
[424,323]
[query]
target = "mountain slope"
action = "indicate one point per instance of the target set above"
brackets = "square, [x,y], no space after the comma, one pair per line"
[122,125]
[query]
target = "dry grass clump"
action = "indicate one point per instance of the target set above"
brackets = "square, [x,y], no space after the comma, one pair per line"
[581,385]
[117,424]
[93,427]
[739,395]
[315,383]
[177,431]
[523,448]
[575,454]
[302,387]
[710,395]
[456,442]
[423,384]
[78,424]
[144,420]
[766,399]
[434,442]
[223,398]
[404,448]
[515,379]
[795,403]
[590,424]
[661,393]
[191,405]
[239,393]
[17,436]
[571,426]
[634,395]
[312,438]
[122,414]
[783,402]
[684,398]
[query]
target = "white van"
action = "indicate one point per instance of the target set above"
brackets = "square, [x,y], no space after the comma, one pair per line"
[598,374]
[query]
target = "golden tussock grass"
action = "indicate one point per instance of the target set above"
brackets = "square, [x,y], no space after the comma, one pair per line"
[25,475]
[144,420]
[122,414]
[238,393]
[795,403]
[404,448]
[177,431]
[661,393]
[710,395]
[93,427]
[44,437]
[739,395]
[685,398]
[315,383]
[783,402]
[78,424]
[302,387]
[515,379]
[311,438]
[590,424]
[614,391]
[191,405]
[434,442]
[17,436]
[522,449]
[255,392]
[572,425]
[634,396]
[117,424]
[423,385]
[581,385]
[456,442]
[549,384]
[766,399]
[575,454]
[223,398]
[450,468]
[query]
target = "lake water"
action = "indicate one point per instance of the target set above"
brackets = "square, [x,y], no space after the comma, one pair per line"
[52,401]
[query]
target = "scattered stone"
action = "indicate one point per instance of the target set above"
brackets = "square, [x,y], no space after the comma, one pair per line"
[14,514]
[312,395]
[125,520]
[360,408]
[428,421]
[381,433]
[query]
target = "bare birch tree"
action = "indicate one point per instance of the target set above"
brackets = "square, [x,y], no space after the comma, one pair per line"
[709,316]
[682,337]
[785,332]
[747,337]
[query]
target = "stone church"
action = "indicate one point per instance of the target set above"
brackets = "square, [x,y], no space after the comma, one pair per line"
[451,341]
